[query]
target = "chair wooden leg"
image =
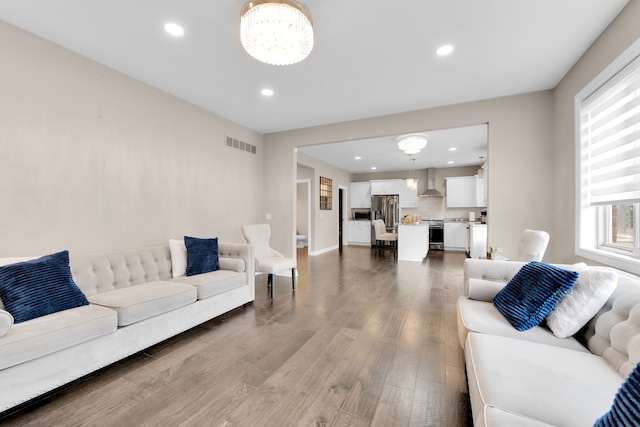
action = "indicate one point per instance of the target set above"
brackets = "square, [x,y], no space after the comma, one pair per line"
[293,279]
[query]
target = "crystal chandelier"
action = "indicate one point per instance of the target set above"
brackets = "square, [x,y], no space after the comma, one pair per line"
[276,32]
[412,144]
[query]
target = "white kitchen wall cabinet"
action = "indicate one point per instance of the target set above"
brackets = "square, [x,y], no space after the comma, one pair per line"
[386,186]
[359,233]
[465,191]
[360,197]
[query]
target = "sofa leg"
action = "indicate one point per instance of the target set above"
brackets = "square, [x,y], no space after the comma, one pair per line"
[293,279]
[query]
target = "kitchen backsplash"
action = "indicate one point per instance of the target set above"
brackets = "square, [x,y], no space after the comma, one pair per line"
[436,208]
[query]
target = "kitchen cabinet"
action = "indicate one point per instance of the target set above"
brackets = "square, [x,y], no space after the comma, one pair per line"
[386,186]
[465,191]
[359,233]
[360,195]
[455,236]
[408,196]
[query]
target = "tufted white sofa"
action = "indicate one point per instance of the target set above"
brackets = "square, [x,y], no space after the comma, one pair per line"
[134,303]
[533,378]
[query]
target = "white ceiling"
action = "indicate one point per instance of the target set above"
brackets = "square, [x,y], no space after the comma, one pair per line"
[371,57]
[470,144]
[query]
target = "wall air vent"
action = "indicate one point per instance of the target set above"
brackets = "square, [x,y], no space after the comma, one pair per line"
[240,145]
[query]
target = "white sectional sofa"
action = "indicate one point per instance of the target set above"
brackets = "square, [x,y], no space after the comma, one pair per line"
[534,378]
[134,303]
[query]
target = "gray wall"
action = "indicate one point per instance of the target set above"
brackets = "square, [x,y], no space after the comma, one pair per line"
[620,34]
[324,223]
[520,146]
[94,160]
[531,147]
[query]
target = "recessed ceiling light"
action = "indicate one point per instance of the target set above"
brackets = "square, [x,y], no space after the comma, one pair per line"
[358,158]
[450,162]
[267,92]
[173,29]
[373,168]
[452,149]
[444,50]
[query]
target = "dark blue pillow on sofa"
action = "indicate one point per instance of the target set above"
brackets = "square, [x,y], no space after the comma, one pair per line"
[202,255]
[532,293]
[39,287]
[625,410]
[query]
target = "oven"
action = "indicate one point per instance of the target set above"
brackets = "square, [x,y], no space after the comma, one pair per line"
[436,234]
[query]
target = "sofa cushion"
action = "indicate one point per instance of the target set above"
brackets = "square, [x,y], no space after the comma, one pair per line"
[626,405]
[139,302]
[483,317]
[214,283]
[498,417]
[202,255]
[47,334]
[584,300]
[38,287]
[6,321]
[554,385]
[178,257]
[532,293]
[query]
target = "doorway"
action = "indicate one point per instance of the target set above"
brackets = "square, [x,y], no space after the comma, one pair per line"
[303,214]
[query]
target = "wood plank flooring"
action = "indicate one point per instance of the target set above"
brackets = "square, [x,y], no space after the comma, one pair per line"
[364,341]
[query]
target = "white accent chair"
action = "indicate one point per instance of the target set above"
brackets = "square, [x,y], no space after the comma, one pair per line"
[532,246]
[383,237]
[268,260]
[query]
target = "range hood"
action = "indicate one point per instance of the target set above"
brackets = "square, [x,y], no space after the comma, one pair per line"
[431,185]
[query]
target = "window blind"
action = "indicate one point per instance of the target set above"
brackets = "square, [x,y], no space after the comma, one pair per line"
[610,138]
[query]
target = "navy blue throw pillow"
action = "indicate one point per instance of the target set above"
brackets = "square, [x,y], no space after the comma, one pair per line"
[39,287]
[625,410]
[202,255]
[532,293]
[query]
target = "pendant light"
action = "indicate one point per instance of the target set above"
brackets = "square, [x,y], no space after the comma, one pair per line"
[412,183]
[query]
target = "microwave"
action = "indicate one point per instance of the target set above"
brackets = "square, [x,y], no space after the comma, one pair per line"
[362,215]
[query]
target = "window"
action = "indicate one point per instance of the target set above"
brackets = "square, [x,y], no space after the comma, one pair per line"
[326,192]
[608,165]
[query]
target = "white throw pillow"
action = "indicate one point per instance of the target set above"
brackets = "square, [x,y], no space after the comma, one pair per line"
[178,257]
[6,321]
[594,287]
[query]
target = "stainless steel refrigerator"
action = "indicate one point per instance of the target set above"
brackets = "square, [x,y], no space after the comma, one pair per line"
[386,208]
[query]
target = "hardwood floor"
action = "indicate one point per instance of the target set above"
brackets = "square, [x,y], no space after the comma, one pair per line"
[364,341]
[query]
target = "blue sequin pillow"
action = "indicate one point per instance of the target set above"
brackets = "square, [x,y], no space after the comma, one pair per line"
[532,293]
[625,410]
[202,255]
[38,287]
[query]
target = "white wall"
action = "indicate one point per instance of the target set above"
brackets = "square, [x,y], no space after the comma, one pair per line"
[94,160]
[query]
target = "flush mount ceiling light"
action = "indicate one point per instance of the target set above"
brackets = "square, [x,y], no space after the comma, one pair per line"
[174,29]
[276,32]
[413,143]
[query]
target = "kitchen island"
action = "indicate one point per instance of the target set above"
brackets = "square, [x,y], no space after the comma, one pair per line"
[413,241]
